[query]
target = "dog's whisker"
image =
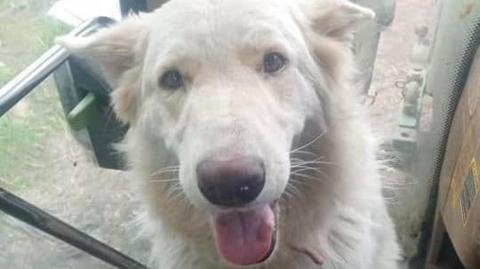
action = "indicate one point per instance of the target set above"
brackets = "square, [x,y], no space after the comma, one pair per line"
[176,187]
[304,152]
[299,182]
[308,166]
[314,166]
[313,162]
[306,169]
[303,166]
[174,167]
[294,190]
[299,163]
[163,180]
[287,197]
[170,167]
[320,162]
[300,160]
[299,169]
[175,193]
[178,195]
[307,176]
[309,143]
[164,171]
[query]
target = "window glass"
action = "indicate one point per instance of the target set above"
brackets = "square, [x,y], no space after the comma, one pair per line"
[42,162]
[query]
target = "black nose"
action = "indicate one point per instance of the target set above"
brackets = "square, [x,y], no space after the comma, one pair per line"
[234,182]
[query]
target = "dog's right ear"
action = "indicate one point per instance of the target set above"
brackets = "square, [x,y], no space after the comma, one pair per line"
[337,19]
[119,50]
[329,26]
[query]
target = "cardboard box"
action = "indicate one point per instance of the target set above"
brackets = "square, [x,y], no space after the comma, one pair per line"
[459,199]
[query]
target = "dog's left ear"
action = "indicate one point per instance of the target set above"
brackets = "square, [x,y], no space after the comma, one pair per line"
[336,18]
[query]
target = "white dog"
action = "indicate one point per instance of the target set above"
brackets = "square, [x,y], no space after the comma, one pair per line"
[248,138]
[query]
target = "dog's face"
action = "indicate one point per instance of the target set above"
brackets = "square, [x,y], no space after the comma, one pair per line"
[226,87]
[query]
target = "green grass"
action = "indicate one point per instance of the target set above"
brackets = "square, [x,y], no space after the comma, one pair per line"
[27,33]
[50,29]
[16,139]
[5,75]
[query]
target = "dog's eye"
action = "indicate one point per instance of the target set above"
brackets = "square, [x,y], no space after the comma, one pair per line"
[273,62]
[172,80]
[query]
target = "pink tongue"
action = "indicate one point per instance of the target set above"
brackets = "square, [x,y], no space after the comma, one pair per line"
[245,238]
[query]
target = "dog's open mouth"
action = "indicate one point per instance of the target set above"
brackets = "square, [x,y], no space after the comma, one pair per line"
[246,237]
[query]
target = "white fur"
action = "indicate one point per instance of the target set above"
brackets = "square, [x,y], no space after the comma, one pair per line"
[305,123]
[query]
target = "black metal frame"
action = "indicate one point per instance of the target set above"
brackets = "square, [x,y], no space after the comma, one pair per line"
[135,6]
[28,213]
[18,208]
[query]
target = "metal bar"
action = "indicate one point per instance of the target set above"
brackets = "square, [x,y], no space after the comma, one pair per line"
[26,81]
[28,213]
[38,71]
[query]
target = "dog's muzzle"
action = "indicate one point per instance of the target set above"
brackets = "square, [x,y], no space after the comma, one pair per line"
[244,231]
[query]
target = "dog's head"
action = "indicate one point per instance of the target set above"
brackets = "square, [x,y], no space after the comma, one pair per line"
[226,88]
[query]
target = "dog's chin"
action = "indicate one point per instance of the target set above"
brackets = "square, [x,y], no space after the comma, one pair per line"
[246,236]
